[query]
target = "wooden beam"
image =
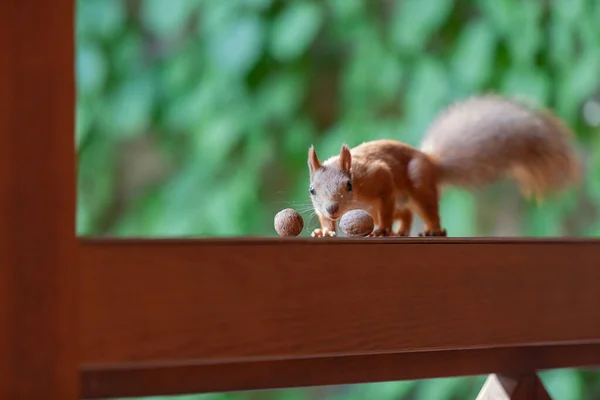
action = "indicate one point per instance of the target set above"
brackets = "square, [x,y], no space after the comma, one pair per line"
[178,301]
[39,274]
[136,380]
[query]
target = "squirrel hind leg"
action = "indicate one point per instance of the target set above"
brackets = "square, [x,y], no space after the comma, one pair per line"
[404,217]
[425,195]
[426,206]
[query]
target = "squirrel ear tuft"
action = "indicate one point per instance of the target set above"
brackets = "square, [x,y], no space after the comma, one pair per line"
[313,160]
[345,158]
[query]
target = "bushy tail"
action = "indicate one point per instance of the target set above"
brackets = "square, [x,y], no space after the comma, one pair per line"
[480,140]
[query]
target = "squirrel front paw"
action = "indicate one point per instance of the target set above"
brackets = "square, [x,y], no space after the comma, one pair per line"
[439,233]
[379,232]
[323,233]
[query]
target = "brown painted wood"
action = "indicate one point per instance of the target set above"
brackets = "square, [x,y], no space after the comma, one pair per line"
[133,380]
[179,301]
[38,273]
[513,387]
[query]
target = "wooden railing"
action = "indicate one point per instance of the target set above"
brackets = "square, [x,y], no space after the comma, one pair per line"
[105,318]
[165,317]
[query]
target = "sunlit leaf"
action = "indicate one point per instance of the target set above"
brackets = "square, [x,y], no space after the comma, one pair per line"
[166,18]
[426,95]
[295,29]
[100,18]
[561,48]
[128,109]
[577,83]
[280,95]
[91,68]
[568,10]
[501,13]
[526,37]
[236,46]
[414,22]
[473,59]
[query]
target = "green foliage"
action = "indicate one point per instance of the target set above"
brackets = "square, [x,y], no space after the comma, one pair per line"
[194,116]
[231,94]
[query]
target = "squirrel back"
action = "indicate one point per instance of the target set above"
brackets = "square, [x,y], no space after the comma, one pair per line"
[480,140]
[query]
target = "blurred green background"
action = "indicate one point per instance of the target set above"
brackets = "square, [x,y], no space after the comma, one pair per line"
[194,117]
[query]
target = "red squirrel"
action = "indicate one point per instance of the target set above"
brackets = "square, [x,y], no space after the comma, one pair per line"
[471,144]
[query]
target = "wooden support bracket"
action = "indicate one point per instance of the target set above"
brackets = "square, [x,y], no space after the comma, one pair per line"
[517,387]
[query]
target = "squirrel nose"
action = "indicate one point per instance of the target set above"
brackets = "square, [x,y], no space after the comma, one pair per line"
[333,208]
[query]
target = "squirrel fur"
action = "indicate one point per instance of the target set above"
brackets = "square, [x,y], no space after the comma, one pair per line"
[473,143]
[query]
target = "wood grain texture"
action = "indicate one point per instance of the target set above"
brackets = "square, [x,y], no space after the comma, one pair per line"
[133,380]
[38,273]
[179,301]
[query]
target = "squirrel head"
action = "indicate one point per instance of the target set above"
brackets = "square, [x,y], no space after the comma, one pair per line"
[331,183]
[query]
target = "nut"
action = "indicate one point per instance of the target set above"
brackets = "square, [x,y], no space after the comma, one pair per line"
[288,222]
[357,223]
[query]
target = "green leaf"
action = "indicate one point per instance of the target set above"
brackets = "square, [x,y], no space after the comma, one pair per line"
[592,172]
[414,22]
[237,45]
[127,111]
[95,182]
[91,68]
[99,18]
[526,37]
[83,122]
[561,37]
[386,390]
[298,137]
[179,73]
[84,222]
[564,384]
[501,13]
[577,83]
[571,11]
[215,138]
[280,96]
[346,9]
[473,59]
[544,220]
[440,389]
[427,93]
[529,83]
[166,18]
[126,55]
[458,209]
[372,77]
[294,29]
[258,4]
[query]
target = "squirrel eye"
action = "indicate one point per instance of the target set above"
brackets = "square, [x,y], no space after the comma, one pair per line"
[349,186]
[312,190]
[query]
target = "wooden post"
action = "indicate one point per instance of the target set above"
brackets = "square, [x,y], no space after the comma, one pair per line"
[520,387]
[38,271]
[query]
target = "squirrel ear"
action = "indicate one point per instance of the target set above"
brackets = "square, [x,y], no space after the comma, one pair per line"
[345,159]
[313,160]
